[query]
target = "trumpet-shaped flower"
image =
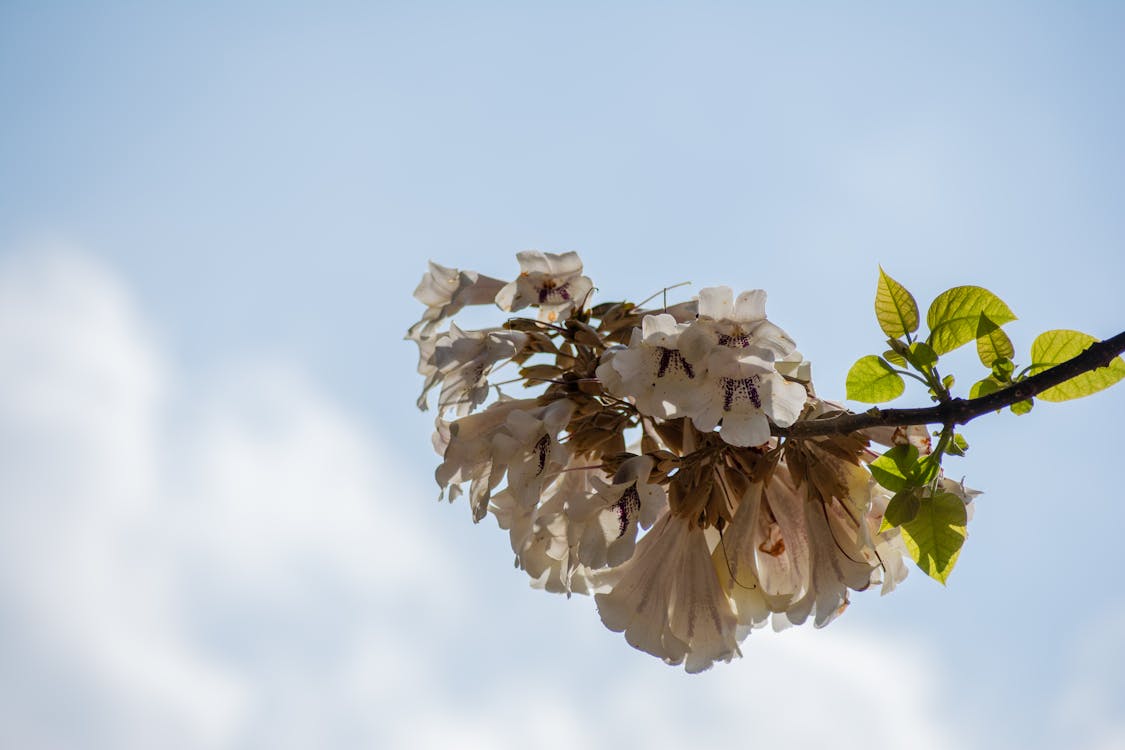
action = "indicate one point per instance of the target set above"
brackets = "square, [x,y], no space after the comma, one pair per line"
[604,523]
[736,327]
[514,437]
[445,291]
[460,362]
[668,601]
[653,371]
[552,282]
[544,536]
[734,347]
[469,455]
[529,446]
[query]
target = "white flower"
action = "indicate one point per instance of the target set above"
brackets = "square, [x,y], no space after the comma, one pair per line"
[746,402]
[470,455]
[652,370]
[604,523]
[516,437]
[553,283]
[445,291]
[733,347]
[461,361]
[737,326]
[766,548]
[889,547]
[839,563]
[796,551]
[668,601]
[529,446]
[543,536]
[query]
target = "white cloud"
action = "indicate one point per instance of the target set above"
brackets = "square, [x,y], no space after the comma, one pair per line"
[241,565]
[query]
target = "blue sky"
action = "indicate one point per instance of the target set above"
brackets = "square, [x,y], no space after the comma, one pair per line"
[211,220]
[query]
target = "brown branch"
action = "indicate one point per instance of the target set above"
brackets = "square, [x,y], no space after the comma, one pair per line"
[959,410]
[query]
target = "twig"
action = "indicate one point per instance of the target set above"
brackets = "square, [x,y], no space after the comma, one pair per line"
[959,410]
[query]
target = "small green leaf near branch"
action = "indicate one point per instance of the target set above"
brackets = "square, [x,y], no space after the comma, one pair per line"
[936,533]
[1052,348]
[954,316]
[873,380]
[895,308]
[957,411]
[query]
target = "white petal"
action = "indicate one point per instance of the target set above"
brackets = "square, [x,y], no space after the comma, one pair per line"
[506,297]
[715,302]
[533,261]
[782,400]
[661,330]
[750,306]
[745,428]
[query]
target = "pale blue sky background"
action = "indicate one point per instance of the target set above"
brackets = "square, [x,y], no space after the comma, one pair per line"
[238,200]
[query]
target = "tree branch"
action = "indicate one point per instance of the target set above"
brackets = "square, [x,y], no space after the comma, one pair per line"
[959,410]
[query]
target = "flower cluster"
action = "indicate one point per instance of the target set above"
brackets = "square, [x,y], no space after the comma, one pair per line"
[643,468]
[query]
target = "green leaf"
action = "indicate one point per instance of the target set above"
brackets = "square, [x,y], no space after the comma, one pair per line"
[1002,370]
[895,308]
[922,355]
[1022,407]
[927,470]
[894,358]
[902,508]
[958,446]
[872,380]
[954,316]
[895,469]
[948,381]
[992,343]
[1054,347]
[984,387]
[935,535]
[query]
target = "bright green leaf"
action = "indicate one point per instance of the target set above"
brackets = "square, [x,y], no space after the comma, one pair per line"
[927,470]
[959,445]
[1054,347]
[894,358]
[901,347]
[903,507]
[872,380]
[1022,407]
[922,354]
[895,468]
[984,387]
[895,308]
[992,343]
[954,316]
[1002,370]
[935,535]
[948,381]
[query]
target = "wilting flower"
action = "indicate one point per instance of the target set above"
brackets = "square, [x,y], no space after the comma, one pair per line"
[668,601]
[460,362]
[805,537]
[544,536]
[889,547]
[445,291]
[516,437]
[553,283]
[766,549]
[470,457]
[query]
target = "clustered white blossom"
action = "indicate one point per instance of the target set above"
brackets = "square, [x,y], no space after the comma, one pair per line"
[642,468]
